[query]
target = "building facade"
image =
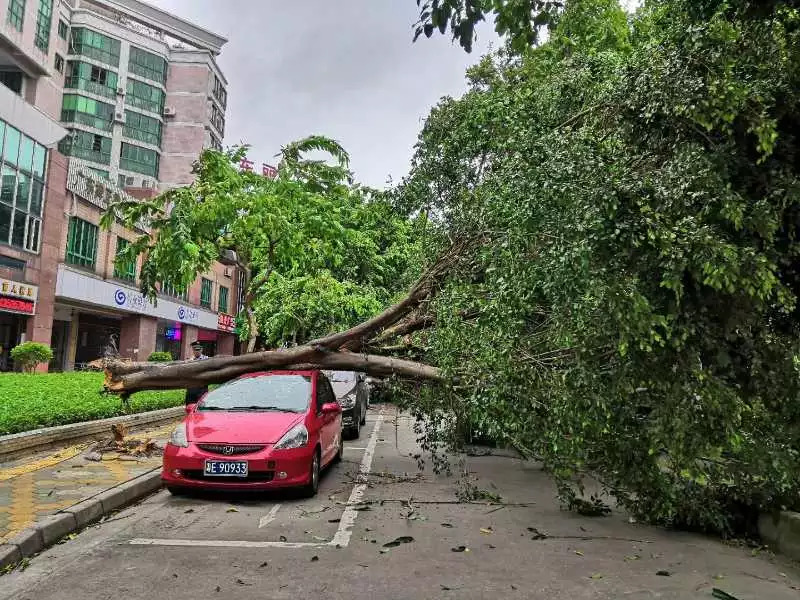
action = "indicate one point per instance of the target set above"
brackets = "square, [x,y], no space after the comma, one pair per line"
[101,100]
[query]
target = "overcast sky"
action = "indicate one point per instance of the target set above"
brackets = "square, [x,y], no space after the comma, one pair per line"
[345,68]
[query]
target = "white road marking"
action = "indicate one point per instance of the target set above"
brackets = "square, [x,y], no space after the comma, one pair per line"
[269,517]
[226,543]
[342,536]
[354,448]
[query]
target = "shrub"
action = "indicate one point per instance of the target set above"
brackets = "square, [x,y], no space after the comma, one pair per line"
[30,354]
[160,357]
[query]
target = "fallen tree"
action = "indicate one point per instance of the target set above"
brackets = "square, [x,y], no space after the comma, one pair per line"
[334,352]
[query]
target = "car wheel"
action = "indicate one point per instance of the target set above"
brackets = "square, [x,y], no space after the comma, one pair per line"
[355,432]
[310,489]
[340,451]
[176,491]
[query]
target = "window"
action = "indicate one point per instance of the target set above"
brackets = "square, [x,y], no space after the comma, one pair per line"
[81,243]
[220,93]
[79,109]
[144,96]
[170,290]
[143,128]
[206,288]
[59,63]
[147,65]
[22,171]
[138,159]
[127,270]
[12,80]
[218,119]
[91,78]
[16,13]
[95,45]
[63,29]
[213,142]
[44,22]
[86,145]
[99,173]
[223,299]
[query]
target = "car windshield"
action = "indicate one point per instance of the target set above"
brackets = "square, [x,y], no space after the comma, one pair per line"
[284,393]
[341,376]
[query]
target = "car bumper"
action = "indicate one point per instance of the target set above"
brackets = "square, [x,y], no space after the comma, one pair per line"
[267,469]
[349,418]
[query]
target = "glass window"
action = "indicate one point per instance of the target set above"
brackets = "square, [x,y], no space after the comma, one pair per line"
[81,242]
[58,63]
[37,196]
[26,154]
[16,13]
[2,135]
[8,184]
[91,78]
[284,393]
[86,145]
[12,80]
[39,154]
[95,45]
[223,299]
[127,270]
[147,65]
[100,173]
[11,150]
[206,289]
[138,159]
[63,29]
[79,109]
[143,128]
[23,192]
[44,22]
[5,223]
[144,96]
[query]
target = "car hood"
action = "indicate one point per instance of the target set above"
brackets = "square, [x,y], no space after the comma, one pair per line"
[342,388]
[218,427]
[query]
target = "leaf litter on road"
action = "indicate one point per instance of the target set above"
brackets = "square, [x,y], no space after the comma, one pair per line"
[403,539]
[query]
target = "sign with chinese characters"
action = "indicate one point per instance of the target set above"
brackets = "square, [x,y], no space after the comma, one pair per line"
[226,322]
[16,305]
[266,170]
[18,290]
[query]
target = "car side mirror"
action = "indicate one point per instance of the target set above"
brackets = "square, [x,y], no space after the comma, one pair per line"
[190,408]
[331,408]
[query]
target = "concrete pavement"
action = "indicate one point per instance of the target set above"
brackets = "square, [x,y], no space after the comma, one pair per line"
[379,528]
[38,485]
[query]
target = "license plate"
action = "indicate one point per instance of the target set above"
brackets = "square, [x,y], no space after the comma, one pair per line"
[226,468]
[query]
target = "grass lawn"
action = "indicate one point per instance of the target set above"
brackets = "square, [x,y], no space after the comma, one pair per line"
[44,400]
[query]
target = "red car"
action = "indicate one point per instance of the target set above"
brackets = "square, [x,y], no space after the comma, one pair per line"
[261,431]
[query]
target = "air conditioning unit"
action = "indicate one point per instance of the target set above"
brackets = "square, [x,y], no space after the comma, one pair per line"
[228,272]
[119,117]
[169,111]
[120,91]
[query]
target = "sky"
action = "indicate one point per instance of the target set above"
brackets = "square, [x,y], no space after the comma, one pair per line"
[346,69]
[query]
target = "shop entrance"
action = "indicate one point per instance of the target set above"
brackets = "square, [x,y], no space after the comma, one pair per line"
[96,335]
[11,328]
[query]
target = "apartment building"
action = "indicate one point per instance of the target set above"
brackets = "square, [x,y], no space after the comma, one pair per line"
[101,99]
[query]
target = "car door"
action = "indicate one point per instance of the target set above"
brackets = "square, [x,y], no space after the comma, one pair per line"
[329,432]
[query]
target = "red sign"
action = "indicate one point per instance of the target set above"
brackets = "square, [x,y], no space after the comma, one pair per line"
[225,322]
[15,305]
[246,165]
[269,171]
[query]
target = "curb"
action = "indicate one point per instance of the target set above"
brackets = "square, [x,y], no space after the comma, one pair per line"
[69,520]
[26,440]
[782,532]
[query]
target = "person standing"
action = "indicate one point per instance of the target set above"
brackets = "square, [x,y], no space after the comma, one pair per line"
[194,394]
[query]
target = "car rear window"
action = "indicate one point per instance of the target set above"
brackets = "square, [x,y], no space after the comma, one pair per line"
[290,393]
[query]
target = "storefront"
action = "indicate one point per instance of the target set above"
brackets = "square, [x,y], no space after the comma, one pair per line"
[169,335]
[17,304]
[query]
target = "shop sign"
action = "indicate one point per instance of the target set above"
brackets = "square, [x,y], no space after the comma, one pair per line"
[226,322]
[16,305]
[18,290]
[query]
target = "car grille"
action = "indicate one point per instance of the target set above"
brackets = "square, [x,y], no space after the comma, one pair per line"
[231,449]
[199,475]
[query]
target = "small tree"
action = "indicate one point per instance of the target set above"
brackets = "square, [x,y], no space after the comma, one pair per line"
[160,357]
[30,354]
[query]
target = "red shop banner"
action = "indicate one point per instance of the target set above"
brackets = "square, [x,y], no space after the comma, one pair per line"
[16,305]
[226,322]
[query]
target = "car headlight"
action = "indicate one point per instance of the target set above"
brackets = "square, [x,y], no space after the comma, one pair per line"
[178,437]
[296,437]
[349,401]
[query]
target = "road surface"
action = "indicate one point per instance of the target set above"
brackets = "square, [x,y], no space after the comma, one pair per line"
[360,538]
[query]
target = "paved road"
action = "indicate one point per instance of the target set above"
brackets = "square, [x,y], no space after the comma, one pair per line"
[332,546]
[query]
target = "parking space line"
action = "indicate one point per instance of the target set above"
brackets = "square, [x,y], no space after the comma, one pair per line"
[345,531]
[225,543]
[269,517]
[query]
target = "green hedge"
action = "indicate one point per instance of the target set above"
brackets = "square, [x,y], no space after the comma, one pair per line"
[48,399]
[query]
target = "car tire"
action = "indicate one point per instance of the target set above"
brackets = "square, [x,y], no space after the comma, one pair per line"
[355,432]
[340,451]
[311,488]
[176,491]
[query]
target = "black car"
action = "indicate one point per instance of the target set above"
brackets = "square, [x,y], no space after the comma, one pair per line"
[352,394]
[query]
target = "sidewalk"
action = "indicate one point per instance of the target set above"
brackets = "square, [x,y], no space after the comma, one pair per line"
[39,485]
